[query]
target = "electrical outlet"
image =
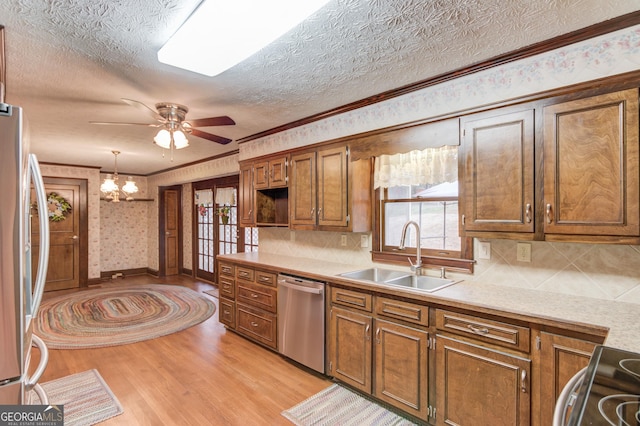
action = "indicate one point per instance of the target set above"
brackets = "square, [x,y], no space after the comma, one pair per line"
[343,240]
[364,241]
[523,252]
[484,250]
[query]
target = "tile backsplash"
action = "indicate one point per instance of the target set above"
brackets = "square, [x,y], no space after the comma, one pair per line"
[607,272]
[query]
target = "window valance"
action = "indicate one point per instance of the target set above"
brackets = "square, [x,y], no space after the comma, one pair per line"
[429,166]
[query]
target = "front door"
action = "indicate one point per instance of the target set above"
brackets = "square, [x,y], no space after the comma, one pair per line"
[170,237]
[68,254]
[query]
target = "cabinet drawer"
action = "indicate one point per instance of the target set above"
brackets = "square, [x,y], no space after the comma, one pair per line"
[266,278]
[352,299]
[227,313]
[406,311]
[257,295]
[227,287]
[227,269]
[257,325]
[499,333]
[246,274]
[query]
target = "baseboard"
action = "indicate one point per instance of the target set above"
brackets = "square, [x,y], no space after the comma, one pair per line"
[105,275]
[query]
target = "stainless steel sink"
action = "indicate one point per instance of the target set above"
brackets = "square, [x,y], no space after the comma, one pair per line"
[425,283]
[399,278]
[377,275]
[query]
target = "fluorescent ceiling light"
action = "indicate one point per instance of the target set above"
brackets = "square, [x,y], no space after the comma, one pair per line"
[221,34]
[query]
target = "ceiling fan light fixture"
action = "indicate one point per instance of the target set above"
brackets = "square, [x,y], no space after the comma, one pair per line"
[163,139]
[180,140]
[230,32]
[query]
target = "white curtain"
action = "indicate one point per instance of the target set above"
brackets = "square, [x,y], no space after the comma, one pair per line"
[204,196]
[430,166]
[226,196]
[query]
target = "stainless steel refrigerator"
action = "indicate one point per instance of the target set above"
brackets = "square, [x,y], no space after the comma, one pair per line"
[20,291]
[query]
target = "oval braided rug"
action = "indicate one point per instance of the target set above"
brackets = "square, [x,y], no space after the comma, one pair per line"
[119,316]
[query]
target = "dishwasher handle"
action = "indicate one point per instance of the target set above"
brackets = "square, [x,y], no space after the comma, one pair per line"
[298,287]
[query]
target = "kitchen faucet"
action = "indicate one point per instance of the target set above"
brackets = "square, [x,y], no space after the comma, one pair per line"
[415,267]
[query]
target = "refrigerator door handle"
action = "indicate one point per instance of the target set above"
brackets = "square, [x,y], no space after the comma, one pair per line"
[43,216]
[32,381]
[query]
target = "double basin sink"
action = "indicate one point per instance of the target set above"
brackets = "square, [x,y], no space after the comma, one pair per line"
[399,278]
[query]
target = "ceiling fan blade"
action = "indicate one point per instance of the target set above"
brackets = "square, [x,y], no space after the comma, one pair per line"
[146,109]
[212,121]
[209,136]
[126,124]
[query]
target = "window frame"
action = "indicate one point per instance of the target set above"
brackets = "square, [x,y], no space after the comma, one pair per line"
[461,261]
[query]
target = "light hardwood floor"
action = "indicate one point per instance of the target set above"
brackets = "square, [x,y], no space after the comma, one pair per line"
[204,375]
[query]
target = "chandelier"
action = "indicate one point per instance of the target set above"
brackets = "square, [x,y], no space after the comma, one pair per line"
[110,187]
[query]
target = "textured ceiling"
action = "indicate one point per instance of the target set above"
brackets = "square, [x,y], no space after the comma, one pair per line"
[70,61]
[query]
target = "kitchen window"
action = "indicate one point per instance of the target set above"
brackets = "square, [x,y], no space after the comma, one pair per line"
[420,186]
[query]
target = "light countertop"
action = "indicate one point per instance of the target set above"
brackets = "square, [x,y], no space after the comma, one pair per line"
[618,320]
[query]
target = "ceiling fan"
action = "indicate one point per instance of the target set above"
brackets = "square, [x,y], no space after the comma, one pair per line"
[170,118]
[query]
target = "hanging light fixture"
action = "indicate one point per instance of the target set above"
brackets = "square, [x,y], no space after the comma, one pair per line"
[172,135]
[110,187]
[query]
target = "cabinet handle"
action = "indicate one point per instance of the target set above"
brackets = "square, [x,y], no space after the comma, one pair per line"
[319,211]
[527,213]
[313,211]
[523,380]
[463,220]
[549,220]
[366,332]
[378,335]
[478,330]
[255,296]
[254,324]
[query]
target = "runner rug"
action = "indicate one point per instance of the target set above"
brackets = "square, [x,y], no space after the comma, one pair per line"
[119,315]
[86,398]
[337,405]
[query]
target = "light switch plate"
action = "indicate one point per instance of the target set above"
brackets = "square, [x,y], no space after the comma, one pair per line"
[364,241]
[484,250]
[343,240]
[523,252]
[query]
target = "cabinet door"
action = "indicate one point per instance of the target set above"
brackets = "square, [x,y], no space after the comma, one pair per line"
[591,166]
[227,312]
[332,187]
[246,197]
[350,348]
[499,172]
[261,175]
[560,358]
[303,189]
[401,367]
[478,386]
[278,172]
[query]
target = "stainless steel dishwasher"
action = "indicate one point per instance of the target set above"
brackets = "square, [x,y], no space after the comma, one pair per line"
[301,321]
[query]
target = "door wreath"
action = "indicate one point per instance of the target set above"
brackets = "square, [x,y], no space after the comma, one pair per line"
[57,207]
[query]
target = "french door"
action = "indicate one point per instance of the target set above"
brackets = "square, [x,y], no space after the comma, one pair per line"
[216,229]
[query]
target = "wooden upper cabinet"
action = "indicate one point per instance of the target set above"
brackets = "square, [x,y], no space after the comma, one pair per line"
[271,173]
[246,197]
[591,166]
[329,192]
[332,187]
[498,171]
[303,189]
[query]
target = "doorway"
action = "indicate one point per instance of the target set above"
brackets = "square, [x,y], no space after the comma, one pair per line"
[68,234]
[170,226]
[215,225]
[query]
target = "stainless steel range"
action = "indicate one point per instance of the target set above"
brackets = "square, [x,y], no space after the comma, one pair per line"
[610,390]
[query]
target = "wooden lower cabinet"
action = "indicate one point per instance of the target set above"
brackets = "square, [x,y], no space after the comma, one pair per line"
[401,367]
[480,386]
[227,312]
[560,358]
[398,371]
[257,325]
[350,355]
